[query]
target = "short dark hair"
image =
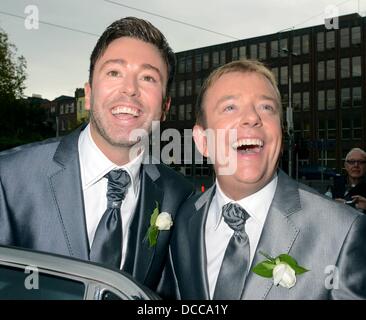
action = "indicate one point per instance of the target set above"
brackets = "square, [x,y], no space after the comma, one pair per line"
[139,29]
[244,66]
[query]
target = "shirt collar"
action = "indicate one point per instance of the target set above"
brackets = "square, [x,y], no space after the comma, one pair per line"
[257,204]
[95,165]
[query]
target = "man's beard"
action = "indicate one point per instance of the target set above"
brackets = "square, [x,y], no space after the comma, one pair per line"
[97,123]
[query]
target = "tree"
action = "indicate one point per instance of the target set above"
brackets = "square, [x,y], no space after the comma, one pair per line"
[20,121]
[12,69]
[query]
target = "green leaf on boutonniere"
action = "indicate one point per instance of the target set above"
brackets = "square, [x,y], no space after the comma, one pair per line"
[292,263]
[153,231]
[154,215]
[264,269]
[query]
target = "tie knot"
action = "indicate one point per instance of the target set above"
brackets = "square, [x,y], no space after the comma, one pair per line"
[235,216]
[118,181]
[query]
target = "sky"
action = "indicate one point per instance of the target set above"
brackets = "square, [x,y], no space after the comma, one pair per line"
[58,51]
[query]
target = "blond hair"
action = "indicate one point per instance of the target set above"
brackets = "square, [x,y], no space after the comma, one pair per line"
[244,66]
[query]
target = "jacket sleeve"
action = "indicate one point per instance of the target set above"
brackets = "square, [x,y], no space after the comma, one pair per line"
[5,219]
[349,282]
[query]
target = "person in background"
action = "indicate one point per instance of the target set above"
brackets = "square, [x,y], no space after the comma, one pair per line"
[351,189]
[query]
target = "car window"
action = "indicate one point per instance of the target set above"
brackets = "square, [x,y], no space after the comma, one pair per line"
[20,284]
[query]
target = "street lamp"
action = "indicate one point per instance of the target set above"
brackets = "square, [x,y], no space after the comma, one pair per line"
[289,111]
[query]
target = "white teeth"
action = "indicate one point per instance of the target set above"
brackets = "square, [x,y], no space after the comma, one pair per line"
[247,142]
[126,110]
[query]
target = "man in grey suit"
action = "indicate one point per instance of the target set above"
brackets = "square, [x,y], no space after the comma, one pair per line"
[258,234]
[88,195]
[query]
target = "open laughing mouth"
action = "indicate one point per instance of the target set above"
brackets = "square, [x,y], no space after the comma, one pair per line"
[122,110]
[248,146]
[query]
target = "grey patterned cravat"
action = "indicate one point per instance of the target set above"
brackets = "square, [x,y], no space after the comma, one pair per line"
[234,268]
[107,243]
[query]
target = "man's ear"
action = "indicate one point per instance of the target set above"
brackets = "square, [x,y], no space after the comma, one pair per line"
[200,139]
[87,89]
[166,107]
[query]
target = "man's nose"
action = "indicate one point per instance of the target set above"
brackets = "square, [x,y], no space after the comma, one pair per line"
[250,117]
[130,86]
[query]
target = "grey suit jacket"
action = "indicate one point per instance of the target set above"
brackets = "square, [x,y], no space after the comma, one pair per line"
[324,236]
[42,206]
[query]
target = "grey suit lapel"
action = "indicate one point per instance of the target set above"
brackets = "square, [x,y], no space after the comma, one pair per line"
[278,235]
[197,246]
[65,184]
[150,193]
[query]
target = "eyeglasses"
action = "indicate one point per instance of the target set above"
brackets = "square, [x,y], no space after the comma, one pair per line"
[353,162]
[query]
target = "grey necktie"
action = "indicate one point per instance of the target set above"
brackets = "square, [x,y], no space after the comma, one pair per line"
[107,243]
[234,268]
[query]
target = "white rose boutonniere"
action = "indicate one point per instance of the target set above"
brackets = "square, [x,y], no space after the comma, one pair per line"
[158,222]
[283,269]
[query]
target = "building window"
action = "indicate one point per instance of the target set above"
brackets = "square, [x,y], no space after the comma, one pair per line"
[253,51]
[330,39]
[320,41]
[356,35]
[283,44]
[305,72]
[206,61]
[274,49]
[181,112]
[181,88]
[62,109]
[345,68]
[215,59]
[357,128]
[275,73]
[173,112]
[296,75]
[222,56]
[188,112]
[321,100]
[198,84]
[198,62]
[234,54]
[322,129]
[330,69]
[53,109]
[284,75]
[189,88]
[305,44]
[296,46]
[331,101]
[305,101]
[262,51]
[345,98]
[242,52]
[331,129]
[356,97]
[173,90]
[344,34]
[296,101]
[181,64]
[356,66]
[189,64]
[321,70]
[346,128]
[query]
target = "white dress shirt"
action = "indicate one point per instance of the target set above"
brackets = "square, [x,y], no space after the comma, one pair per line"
[218,233]
[94,166]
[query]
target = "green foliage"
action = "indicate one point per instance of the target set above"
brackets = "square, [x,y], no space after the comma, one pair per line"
[21,121]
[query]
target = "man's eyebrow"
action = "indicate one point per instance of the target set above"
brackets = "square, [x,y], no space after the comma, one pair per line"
[112,61]
[263,96]
[225,98]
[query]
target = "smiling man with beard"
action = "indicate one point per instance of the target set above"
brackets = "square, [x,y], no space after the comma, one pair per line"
[256,233]
[84,196]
